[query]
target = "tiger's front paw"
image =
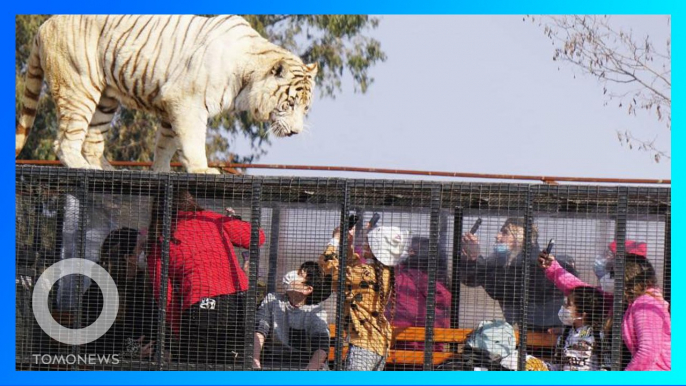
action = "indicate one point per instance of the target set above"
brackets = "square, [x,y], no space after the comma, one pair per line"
[205,171]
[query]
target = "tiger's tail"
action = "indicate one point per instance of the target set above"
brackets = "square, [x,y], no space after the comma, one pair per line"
[32,89]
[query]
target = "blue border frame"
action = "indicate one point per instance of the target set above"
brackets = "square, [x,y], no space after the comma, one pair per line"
[7,325]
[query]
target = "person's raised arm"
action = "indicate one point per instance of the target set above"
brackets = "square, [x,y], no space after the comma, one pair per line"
[471,272]
[239,231]
[564,280]
[328,261]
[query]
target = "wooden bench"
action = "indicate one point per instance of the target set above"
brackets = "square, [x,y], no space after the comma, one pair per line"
[441,335]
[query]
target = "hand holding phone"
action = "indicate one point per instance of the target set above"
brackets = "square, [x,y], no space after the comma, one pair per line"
[545,259]
[230,212]
[352,221]
[374,220]
[550,246]
[476,226]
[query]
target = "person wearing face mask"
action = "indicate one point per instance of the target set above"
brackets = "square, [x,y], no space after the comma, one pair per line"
[295,323]
[604,264]
[135,328]
[501,273]
[646,323]
[583,314]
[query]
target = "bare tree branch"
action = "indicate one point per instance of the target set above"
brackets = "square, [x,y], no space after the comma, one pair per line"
[619,60]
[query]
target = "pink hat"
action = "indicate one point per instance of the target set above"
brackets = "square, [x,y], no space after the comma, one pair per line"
[632,247]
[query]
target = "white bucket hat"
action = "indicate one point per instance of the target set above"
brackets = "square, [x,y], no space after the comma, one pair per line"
[389,244]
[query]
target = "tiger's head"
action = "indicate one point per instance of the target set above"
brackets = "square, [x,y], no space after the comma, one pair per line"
[282,95]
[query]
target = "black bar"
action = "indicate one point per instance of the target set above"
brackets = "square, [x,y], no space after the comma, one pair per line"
[457,255]
[619,264]
[166,238]
[443,233]
[251,297]
[273,249]
[524,304]
[35,261]
[82,194]
[36,242]
[342,261]
[667,274]
[431,285]
[359,228]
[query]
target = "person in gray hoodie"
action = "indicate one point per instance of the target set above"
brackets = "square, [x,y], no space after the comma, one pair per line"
[294,322]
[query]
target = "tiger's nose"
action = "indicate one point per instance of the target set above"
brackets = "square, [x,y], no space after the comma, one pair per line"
[290,134]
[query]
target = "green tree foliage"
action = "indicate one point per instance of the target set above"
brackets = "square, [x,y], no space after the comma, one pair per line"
[336,42]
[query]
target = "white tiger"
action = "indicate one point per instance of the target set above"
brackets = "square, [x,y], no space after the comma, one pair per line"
[185,69]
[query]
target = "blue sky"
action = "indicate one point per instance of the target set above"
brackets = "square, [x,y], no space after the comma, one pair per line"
[477,94]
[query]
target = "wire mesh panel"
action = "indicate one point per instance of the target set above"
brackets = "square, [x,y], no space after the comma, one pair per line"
[291,329]
[488,269]
[89,225]
[141,271]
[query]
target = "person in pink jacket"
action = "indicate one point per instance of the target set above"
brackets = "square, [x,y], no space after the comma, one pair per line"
[646,325]
[408,307]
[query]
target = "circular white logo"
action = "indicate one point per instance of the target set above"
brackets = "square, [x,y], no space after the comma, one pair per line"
[84,335]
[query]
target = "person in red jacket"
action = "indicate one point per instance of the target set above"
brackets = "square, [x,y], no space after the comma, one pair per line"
[206,286]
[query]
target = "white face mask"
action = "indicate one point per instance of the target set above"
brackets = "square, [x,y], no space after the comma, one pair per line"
[607,284]
[565,315]
[289,279]
[142,260]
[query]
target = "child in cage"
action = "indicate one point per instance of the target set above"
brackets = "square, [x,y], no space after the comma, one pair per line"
[646,323]
[583,314]
[369,287]
[294,322]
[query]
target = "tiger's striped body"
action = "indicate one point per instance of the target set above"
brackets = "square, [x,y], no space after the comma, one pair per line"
[185,69]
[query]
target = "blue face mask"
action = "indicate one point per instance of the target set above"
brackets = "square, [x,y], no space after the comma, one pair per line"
[501,249]
[599,266]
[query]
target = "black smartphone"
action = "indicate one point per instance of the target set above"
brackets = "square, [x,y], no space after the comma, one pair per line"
[550,246]
[476,226]
[374,220]
[352,221]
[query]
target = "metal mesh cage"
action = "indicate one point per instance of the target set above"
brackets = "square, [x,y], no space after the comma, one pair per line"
[245,273]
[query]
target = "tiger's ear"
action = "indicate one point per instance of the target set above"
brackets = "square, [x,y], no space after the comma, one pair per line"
[312,69]
[280,69]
